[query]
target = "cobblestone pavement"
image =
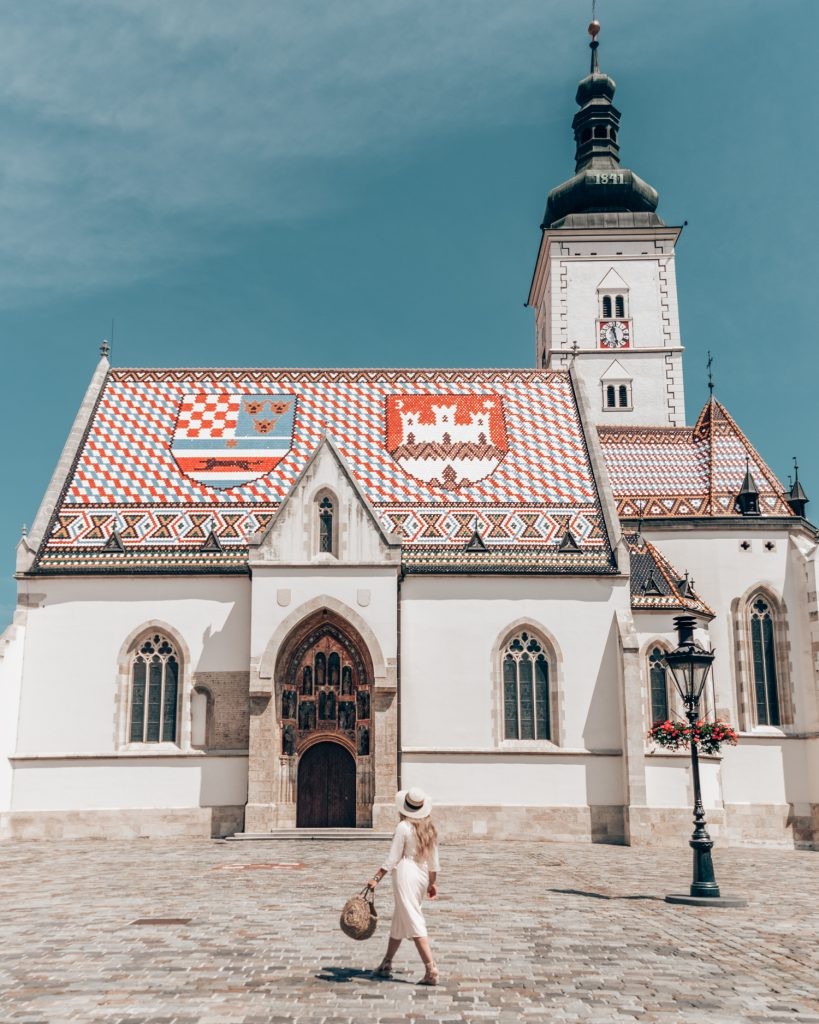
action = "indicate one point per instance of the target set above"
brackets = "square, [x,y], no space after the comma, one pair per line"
[522,932]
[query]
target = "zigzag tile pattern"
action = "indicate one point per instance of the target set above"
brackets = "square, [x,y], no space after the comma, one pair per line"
[668,472]
[127,480]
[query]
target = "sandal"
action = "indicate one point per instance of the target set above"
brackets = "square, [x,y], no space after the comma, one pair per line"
[430,975]
[384,969]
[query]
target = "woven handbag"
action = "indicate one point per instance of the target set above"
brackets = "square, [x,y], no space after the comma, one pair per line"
[359,916]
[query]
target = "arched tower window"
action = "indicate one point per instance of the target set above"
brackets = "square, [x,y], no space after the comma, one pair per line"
[154,691]
[619,306]
[526,689]
[763,656]
[623,396]
[611,401]
[606,307]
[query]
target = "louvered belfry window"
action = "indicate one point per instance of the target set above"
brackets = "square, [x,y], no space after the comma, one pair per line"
[764,658]
[154,691]
[526,689]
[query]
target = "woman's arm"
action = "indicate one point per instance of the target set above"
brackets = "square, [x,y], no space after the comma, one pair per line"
[432,888]
[395,854]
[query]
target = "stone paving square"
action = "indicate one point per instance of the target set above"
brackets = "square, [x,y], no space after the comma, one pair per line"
[523,931]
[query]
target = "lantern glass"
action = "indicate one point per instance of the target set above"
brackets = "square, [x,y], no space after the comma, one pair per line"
[689,667]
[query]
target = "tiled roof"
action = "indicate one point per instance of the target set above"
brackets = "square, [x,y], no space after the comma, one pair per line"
[656,584]
[686,471]
[172,454]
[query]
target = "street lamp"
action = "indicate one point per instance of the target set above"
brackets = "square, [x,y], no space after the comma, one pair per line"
[689,664]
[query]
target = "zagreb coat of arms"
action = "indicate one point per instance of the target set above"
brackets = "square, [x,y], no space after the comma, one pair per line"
[226,440]
[447,440]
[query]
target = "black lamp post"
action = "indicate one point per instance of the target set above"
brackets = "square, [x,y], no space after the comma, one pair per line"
[689,664]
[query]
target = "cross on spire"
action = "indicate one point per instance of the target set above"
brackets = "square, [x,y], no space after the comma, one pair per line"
[709,364]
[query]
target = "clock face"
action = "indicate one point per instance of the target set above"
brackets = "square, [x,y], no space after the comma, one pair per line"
[614,334]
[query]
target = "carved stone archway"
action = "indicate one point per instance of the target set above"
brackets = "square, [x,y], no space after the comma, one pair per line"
[324,687]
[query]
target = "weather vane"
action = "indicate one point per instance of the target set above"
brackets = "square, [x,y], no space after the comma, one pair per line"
[709,364]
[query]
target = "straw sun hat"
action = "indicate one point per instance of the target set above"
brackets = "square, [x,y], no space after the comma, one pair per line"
[414,803]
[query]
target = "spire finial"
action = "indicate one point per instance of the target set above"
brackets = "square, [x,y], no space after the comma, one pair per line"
[594,31]
[105,348]
[795,470]
[709,364]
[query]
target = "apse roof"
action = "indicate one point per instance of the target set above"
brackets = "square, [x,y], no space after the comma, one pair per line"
[179,467]
[670,472]
[656,585]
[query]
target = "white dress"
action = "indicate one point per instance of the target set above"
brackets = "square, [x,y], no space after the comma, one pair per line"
[410,879]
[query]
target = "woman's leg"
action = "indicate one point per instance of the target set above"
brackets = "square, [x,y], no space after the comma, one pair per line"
[422,945]
[392,948]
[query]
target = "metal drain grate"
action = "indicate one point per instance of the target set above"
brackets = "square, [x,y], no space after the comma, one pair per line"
[285,866]
[162,920]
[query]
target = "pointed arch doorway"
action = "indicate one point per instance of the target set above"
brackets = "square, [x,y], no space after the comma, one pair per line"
[326,787]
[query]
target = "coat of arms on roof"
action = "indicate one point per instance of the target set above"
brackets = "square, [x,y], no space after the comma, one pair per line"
[226,440]
[445,440]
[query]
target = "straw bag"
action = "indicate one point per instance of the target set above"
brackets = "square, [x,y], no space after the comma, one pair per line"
[359,916]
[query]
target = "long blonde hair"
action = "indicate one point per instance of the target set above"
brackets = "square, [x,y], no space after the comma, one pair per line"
[425,832]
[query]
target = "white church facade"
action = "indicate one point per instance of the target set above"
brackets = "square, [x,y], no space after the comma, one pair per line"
[255,600]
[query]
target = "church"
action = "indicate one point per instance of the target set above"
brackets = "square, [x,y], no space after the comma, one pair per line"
[256,600]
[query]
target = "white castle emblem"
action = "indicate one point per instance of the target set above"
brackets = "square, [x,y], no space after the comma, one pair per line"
[444,428]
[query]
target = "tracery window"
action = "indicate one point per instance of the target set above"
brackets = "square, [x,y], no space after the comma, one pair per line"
[154,691]
[326,525]
[526,696]
[658,686]
[763,644]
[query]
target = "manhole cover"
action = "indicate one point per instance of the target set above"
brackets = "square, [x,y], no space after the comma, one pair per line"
[162,920]
[294,865]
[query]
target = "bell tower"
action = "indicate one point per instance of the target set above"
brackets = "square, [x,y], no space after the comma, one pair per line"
[604,285]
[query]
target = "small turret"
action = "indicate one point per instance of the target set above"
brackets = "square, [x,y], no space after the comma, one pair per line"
[747,501]
[796,497]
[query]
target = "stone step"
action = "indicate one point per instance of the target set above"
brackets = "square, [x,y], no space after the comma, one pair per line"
[343,834]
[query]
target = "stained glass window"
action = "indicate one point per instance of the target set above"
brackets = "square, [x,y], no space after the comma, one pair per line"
[658,683]
[154,691]
[764,660]
[526,710]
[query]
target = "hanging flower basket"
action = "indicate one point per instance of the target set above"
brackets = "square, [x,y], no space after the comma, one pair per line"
[709,736]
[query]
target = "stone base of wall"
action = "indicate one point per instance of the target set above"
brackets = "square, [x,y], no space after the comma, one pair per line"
[599,824]
[133,823]
[773,825]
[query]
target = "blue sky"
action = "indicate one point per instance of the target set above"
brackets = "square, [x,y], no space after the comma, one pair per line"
[299,182]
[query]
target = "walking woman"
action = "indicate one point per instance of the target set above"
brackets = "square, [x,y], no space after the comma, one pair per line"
[413,862]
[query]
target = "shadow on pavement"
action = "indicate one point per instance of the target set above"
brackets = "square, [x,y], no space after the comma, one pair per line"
[604,896]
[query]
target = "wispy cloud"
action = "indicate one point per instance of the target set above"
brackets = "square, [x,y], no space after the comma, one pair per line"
[129,125]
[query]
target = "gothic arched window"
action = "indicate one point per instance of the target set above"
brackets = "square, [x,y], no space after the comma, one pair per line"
[526,691]
[658,686]
[763,644]
[325,511]
[154,691]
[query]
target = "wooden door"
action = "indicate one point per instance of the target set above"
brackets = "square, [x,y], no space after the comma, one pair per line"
[326,787]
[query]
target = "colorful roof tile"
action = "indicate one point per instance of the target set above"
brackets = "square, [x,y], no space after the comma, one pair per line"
[662,472]
[174,457]
[655,583]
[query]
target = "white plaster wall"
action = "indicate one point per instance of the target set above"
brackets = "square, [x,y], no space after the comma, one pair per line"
[75,637]
[668,782]
[766,771]
[282,594]
[12,643]
[722,571]
[128,783]
[511,780]
[450,695]
[652,375]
